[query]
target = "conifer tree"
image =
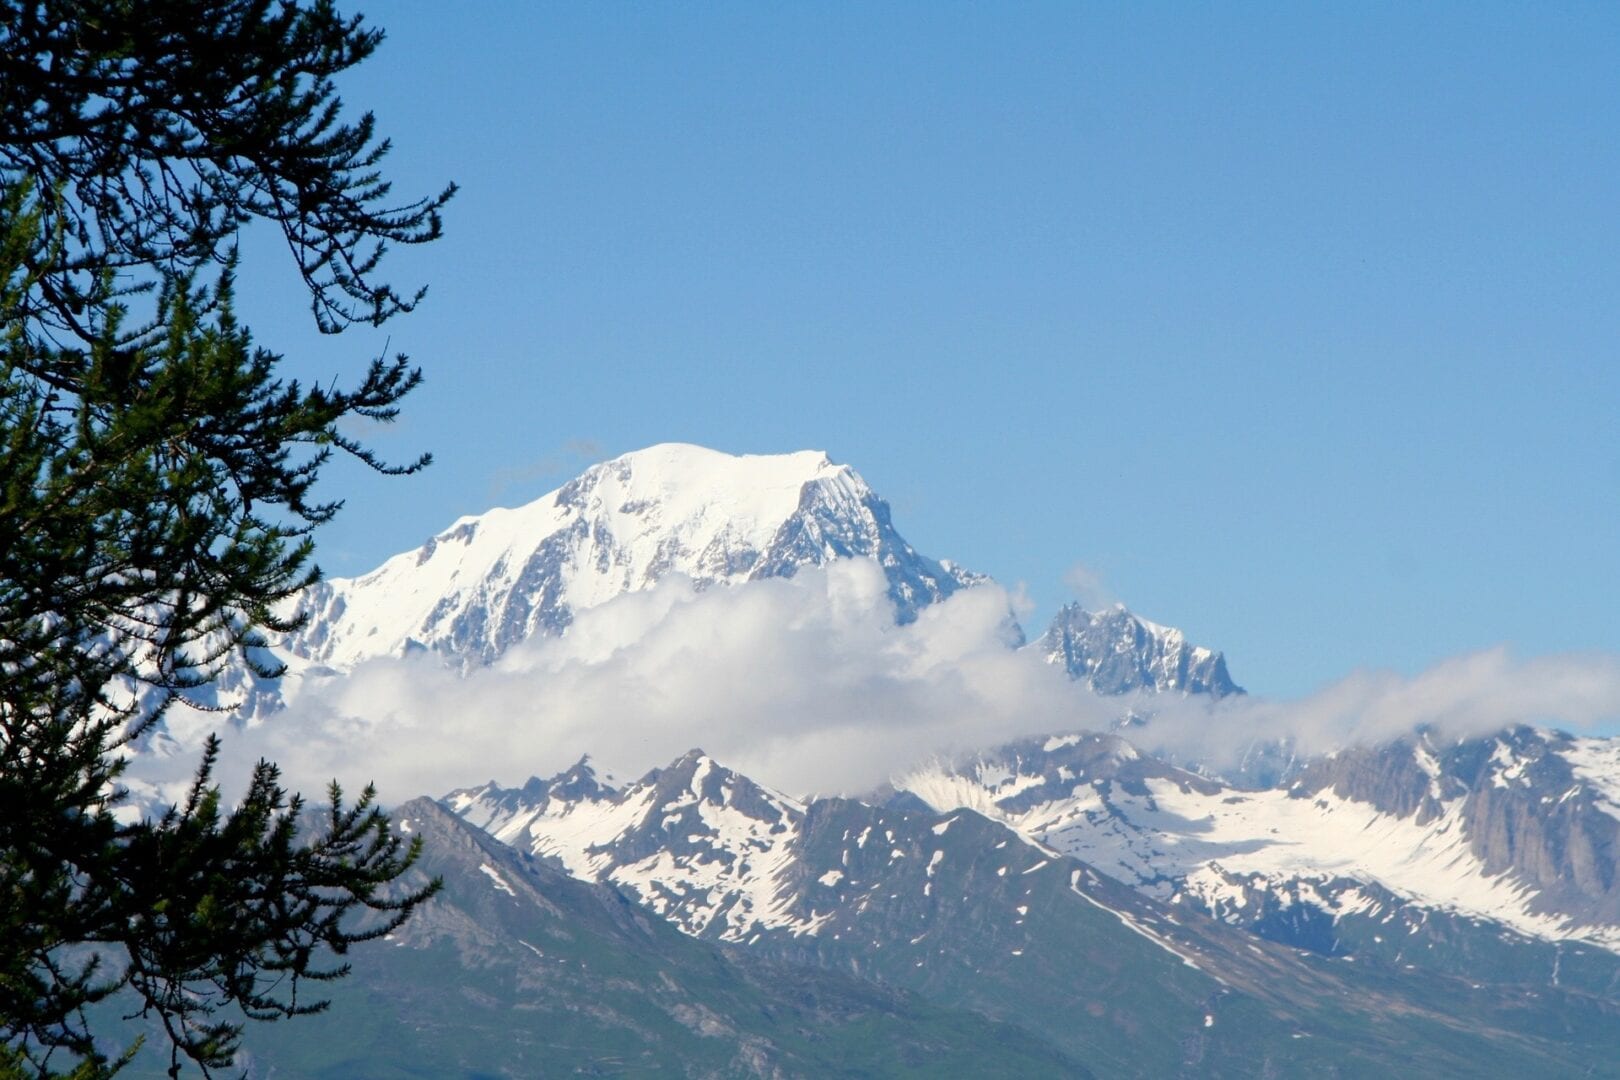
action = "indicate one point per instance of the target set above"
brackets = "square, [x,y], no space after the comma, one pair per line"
[157,496]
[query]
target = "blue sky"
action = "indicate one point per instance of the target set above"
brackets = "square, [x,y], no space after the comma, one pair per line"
[1293,326]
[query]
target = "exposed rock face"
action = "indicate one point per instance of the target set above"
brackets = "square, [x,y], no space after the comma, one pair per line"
[1407,778]
[1116,652]
[1538,805]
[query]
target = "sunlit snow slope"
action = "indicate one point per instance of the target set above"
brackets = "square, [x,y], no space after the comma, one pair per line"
[1518,829]
[492,580]
[699,844]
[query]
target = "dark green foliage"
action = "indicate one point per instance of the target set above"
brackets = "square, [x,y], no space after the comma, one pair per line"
[154,128]
[156,498]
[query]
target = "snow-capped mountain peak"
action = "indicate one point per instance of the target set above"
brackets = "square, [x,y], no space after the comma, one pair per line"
[704,846]
[494,579]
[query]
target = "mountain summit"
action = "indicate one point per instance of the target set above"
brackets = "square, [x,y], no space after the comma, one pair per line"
[492,580]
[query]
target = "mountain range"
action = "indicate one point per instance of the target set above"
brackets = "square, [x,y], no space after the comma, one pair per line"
[1064,904]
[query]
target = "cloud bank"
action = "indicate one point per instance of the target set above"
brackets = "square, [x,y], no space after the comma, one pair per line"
[808,685]
[1470,695]
[804,683]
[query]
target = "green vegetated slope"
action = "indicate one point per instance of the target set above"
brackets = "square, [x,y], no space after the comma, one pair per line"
[515,970]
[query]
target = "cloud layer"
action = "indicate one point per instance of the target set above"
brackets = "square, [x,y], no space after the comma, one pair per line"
[808,685]
[805,683]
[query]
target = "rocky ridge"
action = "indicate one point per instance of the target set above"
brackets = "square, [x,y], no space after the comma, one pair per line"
[1116,652]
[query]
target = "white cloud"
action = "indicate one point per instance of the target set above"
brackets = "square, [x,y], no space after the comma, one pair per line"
[1089,588]
[808,685]
[804,683]
[1469,695]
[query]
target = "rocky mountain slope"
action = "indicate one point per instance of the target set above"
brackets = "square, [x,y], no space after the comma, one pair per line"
[1518,829]
[972,914]
[518,970]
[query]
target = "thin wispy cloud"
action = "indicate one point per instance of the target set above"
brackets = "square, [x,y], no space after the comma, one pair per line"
[1087,585]
[559,464]
[1464,696]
